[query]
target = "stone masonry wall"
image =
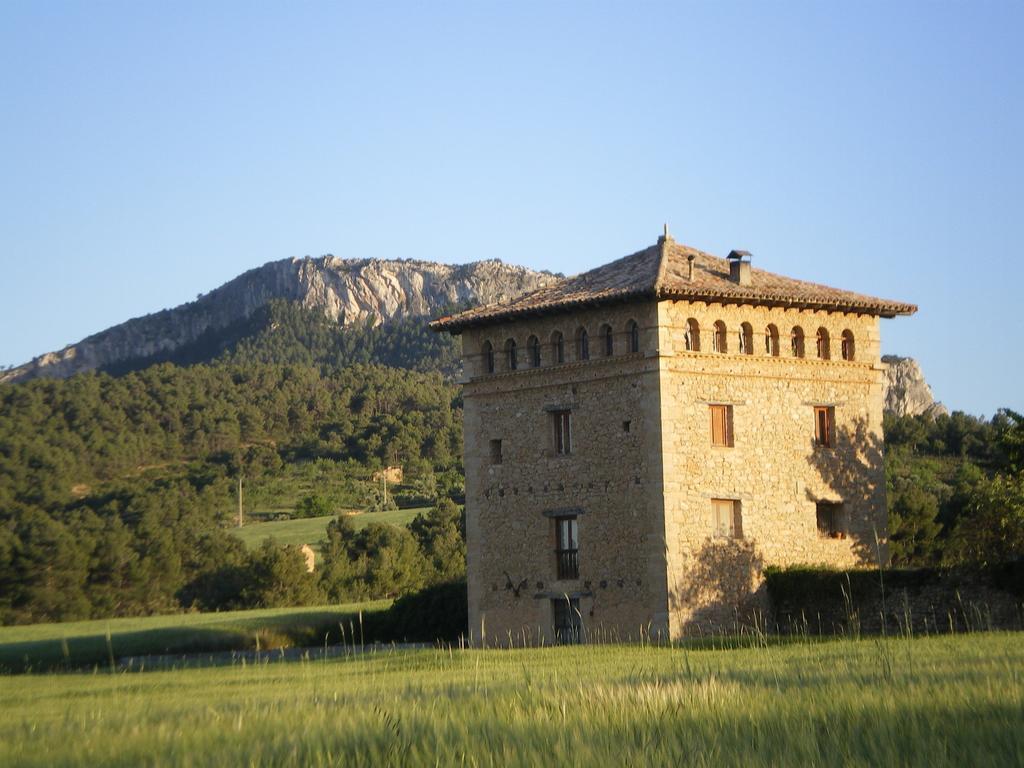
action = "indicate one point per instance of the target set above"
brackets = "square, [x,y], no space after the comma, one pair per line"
[774,469]
[612,476]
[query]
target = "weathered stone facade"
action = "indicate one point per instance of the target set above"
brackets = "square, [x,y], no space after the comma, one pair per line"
[642,472]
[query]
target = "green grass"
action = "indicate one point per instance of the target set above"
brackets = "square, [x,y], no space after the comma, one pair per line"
[313,530]
[84,643]
[940,701]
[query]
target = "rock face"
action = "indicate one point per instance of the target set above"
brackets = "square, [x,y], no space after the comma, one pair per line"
[906,391]
[347,290]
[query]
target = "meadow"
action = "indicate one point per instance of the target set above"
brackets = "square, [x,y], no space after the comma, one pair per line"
[100,643]
[935,701]
[313,530]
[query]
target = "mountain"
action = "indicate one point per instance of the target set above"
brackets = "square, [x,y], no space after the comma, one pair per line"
[346,291]
[906,391]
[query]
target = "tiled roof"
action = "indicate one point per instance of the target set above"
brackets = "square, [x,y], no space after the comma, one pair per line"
[662,272]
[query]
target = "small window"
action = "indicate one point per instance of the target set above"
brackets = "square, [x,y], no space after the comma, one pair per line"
[721,426]
[824,427]
[692,336]
[796,341]
[533,351]
[582,345]
[719,341]
[487,353]
[848,350]
[746,339]
[511,357]
[829,520]
[568,621]
[626,425]
[634,336]
[567,545]
[558,347]
[495,451]
[727,518]
[771,341]
[563,431]
[607,341]
[822,344]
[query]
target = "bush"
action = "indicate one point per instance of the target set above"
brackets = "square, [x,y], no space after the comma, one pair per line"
[437,613]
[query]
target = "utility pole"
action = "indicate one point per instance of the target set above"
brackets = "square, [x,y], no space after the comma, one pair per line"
[239,501]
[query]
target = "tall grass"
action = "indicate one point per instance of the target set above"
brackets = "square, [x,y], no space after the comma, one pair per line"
[933,701]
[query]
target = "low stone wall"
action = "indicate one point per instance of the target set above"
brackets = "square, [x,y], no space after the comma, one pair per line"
[917,601]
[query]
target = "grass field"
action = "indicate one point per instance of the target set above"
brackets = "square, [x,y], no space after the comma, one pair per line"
[940,701]
[313,530]
[85,643]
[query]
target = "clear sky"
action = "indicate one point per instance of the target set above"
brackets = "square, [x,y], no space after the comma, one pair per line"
[152,151]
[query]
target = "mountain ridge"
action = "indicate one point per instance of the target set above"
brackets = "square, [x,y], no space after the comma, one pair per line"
[346,290]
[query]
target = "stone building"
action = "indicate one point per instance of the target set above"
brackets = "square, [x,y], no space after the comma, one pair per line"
[641,440]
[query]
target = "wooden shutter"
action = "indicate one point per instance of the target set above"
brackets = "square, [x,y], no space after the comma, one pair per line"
[720,425]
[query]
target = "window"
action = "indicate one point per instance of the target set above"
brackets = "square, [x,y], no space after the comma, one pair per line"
[829,520]
[495,451]
[771,341]
[821,340]
[746,339]
[582,345]
[533,351]
[511,358]
[568,621]
[796,341]
[727,518]
[563,432]
[558,347]
[692,336]
[567,546]
[848,350]
[824,428]
[488,357]
[719,339]
[626,425]
[607,341]
[634,336]
[721,425]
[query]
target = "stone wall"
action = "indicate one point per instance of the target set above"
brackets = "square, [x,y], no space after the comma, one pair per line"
[612,476]
[774,469]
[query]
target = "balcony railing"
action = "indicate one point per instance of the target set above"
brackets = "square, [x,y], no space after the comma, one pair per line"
[568,563]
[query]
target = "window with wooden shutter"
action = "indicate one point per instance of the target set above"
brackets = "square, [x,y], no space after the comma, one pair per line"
[721,426]
[563,434]
[727,518]
[824,416]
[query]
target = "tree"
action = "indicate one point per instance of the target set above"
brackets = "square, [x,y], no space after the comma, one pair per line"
[440,534]
[913,527]
[991,530]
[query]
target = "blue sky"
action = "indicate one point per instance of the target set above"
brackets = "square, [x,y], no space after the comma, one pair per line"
[152,151]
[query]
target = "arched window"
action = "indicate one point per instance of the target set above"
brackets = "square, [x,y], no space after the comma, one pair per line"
[607,340]
[582,344]
[746,339]
[533,351]
[558,347]
[821,342]
[848,350]
[634,336]
[487,354]
[719,341]
[796,341]
[692,336]
[771,340]
[511,359]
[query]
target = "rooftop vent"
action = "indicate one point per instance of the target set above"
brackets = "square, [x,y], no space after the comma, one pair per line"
[739,267]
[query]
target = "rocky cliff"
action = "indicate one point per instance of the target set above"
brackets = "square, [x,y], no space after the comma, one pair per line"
[347,290]
[906,391]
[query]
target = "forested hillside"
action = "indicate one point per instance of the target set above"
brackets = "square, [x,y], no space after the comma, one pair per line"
[116,493]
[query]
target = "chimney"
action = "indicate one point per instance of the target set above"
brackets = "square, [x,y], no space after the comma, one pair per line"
[689,266]
[739,267]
